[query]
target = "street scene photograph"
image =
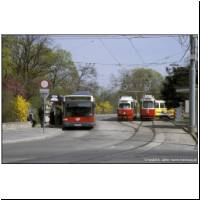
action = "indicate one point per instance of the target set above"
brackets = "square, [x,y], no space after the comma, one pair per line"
[99,99]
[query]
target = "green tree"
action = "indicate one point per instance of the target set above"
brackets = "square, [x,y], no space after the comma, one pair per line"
[7,61]
[178,77]
[62,73]
[27,58]
[140,81]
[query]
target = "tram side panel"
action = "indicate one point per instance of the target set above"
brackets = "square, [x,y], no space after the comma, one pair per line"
[147,113]
[125,114]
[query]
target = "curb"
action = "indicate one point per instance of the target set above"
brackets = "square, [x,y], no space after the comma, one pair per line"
[186,129]
[194,136]
[15,125]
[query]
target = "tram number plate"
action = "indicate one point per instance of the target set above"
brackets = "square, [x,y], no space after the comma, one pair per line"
[77,125]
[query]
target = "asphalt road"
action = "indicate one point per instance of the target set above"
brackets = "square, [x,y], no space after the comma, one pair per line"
[109,142]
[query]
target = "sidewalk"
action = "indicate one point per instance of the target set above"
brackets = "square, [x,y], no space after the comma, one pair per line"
[28,134]
[184,124]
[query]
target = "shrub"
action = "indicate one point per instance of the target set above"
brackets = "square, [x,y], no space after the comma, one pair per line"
[21,108]
[104,108]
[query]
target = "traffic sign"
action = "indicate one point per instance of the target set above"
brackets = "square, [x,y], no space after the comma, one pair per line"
[44,84]
[44,92]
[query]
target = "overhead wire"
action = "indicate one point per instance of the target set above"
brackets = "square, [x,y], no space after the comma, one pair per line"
[135,49]
[109,52]
[129,37]
[184,53]
[125,64]
[120,37]
[136,64]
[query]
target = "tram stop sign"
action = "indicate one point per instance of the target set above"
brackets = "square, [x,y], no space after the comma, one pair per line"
[44,90]
[44,93]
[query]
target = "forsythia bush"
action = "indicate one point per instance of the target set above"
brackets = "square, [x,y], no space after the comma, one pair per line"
[104,108]
[21,108]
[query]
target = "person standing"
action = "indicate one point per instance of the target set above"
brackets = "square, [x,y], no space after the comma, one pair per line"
[32,119]
[41,116]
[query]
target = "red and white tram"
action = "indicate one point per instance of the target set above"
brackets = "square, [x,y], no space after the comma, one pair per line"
[147,107]
[126,108]
[79,110]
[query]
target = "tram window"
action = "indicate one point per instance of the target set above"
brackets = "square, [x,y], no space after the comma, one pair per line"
[148,104]
[156,105]
[162,105]
[124,105]
[132,105]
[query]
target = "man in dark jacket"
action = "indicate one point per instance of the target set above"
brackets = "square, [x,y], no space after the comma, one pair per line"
[41,116]
[32,119]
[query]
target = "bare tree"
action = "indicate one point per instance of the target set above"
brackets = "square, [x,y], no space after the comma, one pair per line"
[87,76]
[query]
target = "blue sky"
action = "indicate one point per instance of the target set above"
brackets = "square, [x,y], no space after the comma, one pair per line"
[131,51]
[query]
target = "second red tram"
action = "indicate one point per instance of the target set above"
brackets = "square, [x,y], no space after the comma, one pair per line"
[126,108]
[79,110]
[147,107]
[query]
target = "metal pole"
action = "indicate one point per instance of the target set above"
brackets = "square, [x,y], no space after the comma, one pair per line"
[192,84]
[43,112]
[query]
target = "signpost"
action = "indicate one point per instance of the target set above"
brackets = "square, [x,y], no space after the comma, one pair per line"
[44,92]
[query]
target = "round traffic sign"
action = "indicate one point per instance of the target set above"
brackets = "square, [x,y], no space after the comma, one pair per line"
[44,84]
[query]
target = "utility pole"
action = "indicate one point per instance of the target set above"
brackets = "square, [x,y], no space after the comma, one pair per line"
[192,111]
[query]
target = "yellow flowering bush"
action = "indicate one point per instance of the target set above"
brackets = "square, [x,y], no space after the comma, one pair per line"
[21,108]
[104,108]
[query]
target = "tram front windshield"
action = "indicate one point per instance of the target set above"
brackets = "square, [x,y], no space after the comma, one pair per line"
[78,109]
[148,104]
[124,105]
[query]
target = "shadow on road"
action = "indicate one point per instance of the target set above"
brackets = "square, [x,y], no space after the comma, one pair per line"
[116,119]
[108,119]
[77,128]
[162,126]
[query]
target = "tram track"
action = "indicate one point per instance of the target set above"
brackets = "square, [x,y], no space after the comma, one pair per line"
[141,137]
[145,144]
[139,147]
[88,135]
[132,136]
[105,150]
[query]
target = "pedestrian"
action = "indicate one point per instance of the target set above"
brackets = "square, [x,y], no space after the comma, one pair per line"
[52,118]
[32,119]
[41,116]
[58,116]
